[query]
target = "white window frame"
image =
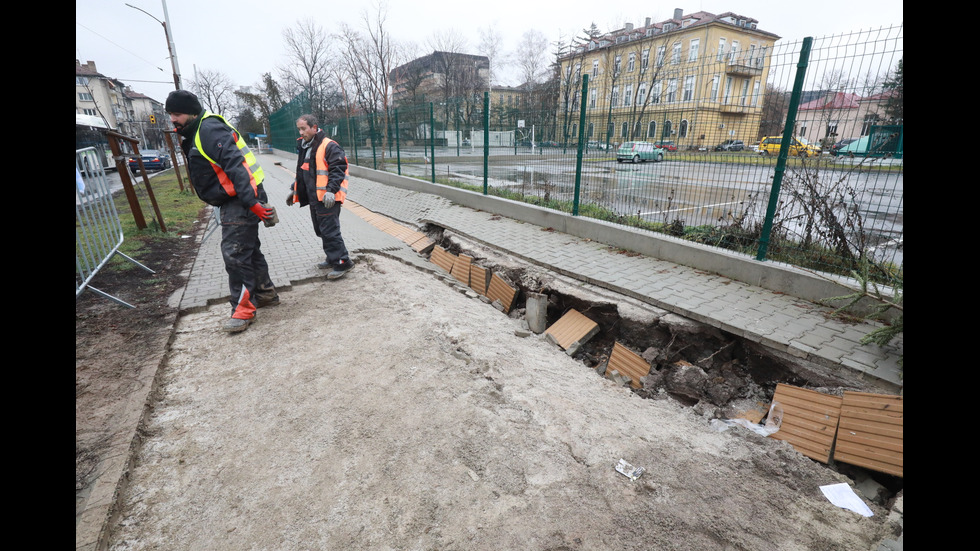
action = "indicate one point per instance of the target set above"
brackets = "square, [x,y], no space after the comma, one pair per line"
[688,94]
[631,62]
[671,90]
[692,50]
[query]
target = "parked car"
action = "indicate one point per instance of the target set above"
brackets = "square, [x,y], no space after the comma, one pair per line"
[666,144]
[799,148]
[596,145]
[639,152]
[152,160]
[835,149]
[730,145]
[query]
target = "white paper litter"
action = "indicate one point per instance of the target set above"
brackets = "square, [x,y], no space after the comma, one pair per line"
[628,470]
[844,497]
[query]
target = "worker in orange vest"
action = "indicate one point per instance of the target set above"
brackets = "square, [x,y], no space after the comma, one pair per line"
[321,182]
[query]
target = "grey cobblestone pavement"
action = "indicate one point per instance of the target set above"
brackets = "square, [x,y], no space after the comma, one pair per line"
[782,322]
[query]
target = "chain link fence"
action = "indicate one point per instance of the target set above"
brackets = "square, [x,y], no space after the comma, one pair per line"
[789,154]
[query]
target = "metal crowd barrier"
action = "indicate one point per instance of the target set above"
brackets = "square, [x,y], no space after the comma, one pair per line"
[98,232]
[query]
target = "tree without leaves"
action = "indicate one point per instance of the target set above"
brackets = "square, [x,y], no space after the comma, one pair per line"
[491,45]
[308,48]
[215,91]
[367,63]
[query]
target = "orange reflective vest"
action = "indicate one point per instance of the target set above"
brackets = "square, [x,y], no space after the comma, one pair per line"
[323,173]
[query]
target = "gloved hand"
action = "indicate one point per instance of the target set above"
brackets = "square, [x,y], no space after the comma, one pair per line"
[329,199]
[290,199]
[260,211]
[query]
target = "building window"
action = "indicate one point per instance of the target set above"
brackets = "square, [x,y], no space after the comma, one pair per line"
[692,51]
[722,44]
[593,96]
[715,82]
[595,68]
[617,64]
[666,132]
[688,88]
[591,129]
[614,101]
[611,130]
[734,53]
[626,129]
[631,63]
[728,90]
[832,128]
[641,95]
[578,72]
[661,51]
[675,56]
[628,96]
[637,128]
[645,59]
[672,90]
[682,133]
[657,91]
[81,81]
[745,92]
[652,130]
[85,96]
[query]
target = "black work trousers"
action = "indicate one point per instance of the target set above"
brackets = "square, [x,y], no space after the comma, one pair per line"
[248,271]
[326,224]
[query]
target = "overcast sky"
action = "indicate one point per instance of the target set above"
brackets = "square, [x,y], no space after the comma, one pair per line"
[243,39]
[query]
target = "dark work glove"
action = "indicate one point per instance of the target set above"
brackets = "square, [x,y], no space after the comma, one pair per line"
[329,199]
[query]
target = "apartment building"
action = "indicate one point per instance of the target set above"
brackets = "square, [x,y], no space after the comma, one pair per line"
[119,107]
[696,80]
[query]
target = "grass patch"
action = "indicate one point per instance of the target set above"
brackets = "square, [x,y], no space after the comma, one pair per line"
[180,211]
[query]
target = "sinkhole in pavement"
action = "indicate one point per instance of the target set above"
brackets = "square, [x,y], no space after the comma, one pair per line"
[717,374]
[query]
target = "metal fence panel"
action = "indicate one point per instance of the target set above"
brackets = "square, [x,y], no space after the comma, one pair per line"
[98,232]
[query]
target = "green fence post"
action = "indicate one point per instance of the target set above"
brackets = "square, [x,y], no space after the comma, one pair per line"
[486,142]
[581,143]
[354,142]
[374,139]
[777,180]
[398,147]
[432,139]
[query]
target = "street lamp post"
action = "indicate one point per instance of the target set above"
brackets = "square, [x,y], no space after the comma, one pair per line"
[170,41]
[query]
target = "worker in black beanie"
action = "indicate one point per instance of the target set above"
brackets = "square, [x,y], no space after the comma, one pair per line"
[225,174]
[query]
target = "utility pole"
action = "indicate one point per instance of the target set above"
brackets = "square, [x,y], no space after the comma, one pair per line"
[171,49]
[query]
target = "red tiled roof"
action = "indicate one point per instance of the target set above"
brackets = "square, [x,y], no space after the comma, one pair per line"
[836,100]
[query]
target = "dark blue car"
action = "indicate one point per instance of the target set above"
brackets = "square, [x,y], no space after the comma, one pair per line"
[153,160]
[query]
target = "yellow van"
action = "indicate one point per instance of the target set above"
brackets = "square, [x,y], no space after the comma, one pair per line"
[799,148]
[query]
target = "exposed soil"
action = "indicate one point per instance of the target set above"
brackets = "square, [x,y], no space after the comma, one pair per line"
[118,351]
[388,411]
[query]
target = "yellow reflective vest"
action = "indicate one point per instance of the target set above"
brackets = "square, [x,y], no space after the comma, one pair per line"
[255,172]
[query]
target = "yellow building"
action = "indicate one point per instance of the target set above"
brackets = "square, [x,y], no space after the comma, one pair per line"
[695,80]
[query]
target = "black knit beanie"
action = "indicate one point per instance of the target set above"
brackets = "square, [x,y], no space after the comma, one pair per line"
[182,101]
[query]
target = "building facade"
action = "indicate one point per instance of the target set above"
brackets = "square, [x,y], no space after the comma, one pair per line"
[695,80]
[120,108]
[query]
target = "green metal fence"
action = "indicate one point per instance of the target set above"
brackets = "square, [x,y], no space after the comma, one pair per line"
[282,123]
[749,141]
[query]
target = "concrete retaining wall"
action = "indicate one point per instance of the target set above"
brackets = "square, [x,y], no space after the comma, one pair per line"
[783,279]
